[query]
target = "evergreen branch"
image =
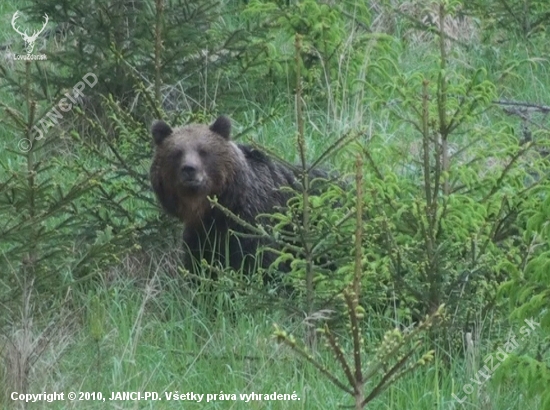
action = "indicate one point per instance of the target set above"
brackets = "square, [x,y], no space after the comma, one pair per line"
[351,302]
[282,337]
[339,143]
[386,379]
[339,354]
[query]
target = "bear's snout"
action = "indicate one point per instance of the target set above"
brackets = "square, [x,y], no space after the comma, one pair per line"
[188,172]
[192,178]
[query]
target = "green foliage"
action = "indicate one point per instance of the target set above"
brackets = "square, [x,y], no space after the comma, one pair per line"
[528,294]
[113,40]
[393,358]
[123,199]
[321,237]
[450,194]
[185,51]
[454,190]
[519,17]
[330,61]
[46,239]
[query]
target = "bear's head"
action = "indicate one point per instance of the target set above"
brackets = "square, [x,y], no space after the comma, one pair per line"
[191,163]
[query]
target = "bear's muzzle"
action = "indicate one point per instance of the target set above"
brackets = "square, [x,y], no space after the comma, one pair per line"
[191,179]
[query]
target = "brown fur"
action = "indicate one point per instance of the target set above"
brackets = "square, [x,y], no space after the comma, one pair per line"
[196,161]
[214,158]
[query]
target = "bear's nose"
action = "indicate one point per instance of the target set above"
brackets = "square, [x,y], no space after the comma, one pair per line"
[188,172]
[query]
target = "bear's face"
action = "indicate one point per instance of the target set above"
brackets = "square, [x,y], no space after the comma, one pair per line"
[191,163]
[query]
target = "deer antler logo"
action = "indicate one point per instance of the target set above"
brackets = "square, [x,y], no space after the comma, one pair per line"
[29,40]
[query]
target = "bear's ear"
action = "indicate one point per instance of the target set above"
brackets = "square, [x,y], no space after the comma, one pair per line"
[160,131]
[222,126]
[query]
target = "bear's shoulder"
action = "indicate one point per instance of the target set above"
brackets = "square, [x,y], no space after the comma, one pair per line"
[253,154]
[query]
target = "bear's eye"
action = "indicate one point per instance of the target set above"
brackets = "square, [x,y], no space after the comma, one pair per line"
[203,153]
[178,153]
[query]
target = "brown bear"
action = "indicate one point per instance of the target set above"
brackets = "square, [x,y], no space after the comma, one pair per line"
[197,161]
